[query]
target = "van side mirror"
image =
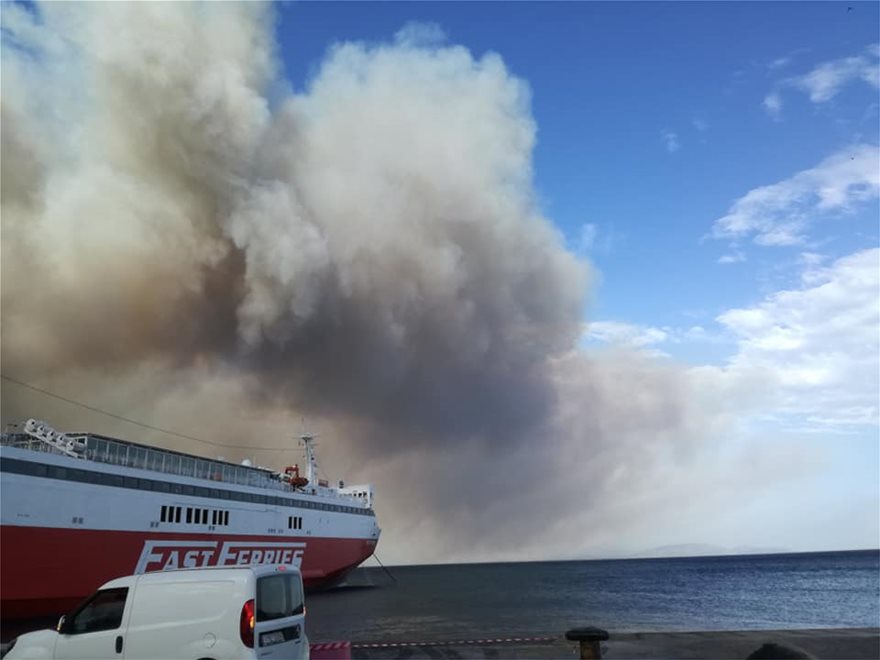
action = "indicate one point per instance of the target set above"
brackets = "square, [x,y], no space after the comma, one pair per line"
[61,622]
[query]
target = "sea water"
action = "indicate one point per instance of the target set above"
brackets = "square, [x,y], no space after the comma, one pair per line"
[470,601]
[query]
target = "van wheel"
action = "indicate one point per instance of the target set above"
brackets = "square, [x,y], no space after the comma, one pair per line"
[206,658]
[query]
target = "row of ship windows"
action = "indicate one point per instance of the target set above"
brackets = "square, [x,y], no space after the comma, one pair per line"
[194,516]
[294,522]
[16,466]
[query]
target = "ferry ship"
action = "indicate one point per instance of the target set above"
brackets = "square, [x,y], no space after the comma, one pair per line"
[77,510]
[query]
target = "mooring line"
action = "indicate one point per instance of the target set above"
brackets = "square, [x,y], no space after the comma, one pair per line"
[383,567]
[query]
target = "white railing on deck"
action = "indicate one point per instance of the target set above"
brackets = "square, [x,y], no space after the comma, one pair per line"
[117,452]
[124,454]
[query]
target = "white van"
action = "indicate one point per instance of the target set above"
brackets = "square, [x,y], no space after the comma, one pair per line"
[197,614]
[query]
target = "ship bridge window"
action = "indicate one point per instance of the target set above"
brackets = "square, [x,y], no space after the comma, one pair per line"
[139,457]
[153,460]
[115,453]
[202,469]
[99,448]
[172,464]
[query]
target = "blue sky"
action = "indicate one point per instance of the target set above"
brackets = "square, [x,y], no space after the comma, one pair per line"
[653,120]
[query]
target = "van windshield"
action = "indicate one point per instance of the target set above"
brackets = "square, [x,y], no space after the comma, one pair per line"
[279,596]
[103,611]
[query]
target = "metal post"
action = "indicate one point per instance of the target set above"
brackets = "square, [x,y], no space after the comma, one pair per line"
[589,639]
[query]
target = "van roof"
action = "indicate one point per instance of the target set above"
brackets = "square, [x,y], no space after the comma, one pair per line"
[194,574]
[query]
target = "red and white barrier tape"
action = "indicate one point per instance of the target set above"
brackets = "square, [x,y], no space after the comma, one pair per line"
[330,646]
[457,642]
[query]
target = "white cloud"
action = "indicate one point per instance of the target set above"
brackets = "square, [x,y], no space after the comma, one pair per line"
[779,63]
[827,79]
[773,105]
[670,140]
[697,333]
[779,214]
[811,259]
[595,240]
[734,257]
[817,344]
[588,235]
[786,60]
[700,124]
[617,332]
[645,339]
[418,33]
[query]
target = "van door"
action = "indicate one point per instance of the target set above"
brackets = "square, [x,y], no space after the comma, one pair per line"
[94,630]
[279,629]
[186,617]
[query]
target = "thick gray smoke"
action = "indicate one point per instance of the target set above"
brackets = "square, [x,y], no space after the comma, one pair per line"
[186,242]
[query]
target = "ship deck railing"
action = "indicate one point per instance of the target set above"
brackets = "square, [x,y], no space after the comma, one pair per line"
[110,451]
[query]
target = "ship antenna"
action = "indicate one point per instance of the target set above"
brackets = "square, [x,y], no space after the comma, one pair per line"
[311,461]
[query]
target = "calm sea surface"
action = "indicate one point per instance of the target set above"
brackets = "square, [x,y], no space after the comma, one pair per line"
[815,590]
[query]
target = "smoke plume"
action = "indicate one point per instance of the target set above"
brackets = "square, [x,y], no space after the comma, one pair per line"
[188,242]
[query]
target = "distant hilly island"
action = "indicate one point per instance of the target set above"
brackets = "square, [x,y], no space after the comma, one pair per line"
[705,550]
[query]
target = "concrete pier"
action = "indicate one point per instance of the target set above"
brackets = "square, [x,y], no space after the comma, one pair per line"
[828,644]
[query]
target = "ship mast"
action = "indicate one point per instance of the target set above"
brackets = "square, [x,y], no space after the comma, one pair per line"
[311,461]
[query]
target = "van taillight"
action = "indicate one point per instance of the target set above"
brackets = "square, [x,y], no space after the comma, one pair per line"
[246,626]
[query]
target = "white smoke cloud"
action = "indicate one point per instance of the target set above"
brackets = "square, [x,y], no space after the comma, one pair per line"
[369,253]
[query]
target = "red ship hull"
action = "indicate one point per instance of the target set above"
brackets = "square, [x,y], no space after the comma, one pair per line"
[47,571]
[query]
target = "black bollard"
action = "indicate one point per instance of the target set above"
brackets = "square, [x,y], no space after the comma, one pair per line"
[773,651]
[589,639]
